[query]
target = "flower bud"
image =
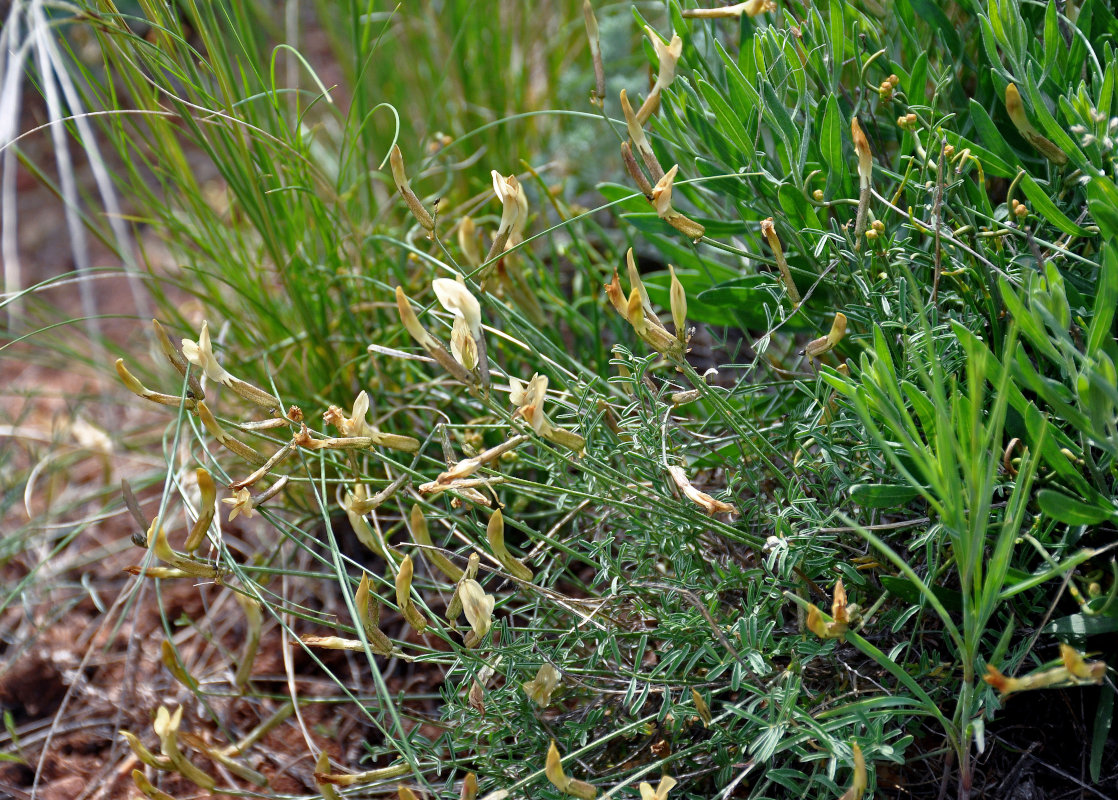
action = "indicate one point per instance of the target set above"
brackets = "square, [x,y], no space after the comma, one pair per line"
[561,781]
[396,159]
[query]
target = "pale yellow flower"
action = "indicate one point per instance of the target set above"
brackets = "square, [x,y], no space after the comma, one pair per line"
[201,355]
[478,607]
[528,398]
[514,205]
[458,300]
[541,687]
[463,344]
[661,790]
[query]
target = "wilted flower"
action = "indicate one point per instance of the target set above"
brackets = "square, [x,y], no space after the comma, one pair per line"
[201,355]
[668,56]
[354,424]
[824,344]
[456,299]
[1074,671]
[495,535]
[836,627]
[637,311]
[466,335]
[677,296]
[467,241]
[412,614]
[1016,110]
[662,200]
[429,343]
[528,398]
[865,174]
[166,727]
[241,503]
[514,213]
[768,230]
[750,8]
[701,499]
[858,782]
[595,53]
[640,142]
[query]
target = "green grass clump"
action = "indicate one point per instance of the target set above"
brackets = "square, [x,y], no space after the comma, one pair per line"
[766,557]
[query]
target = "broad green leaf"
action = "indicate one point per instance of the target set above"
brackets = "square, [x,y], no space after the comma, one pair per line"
[830,145]
[838,42]
[1102,199]
[932,13]
[906,590]
[1070,510]
[1044,206]
[991,134]
[1106,298]
[1081,625]
[1104,718]
[914,88]
[754,300]
[882,495]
